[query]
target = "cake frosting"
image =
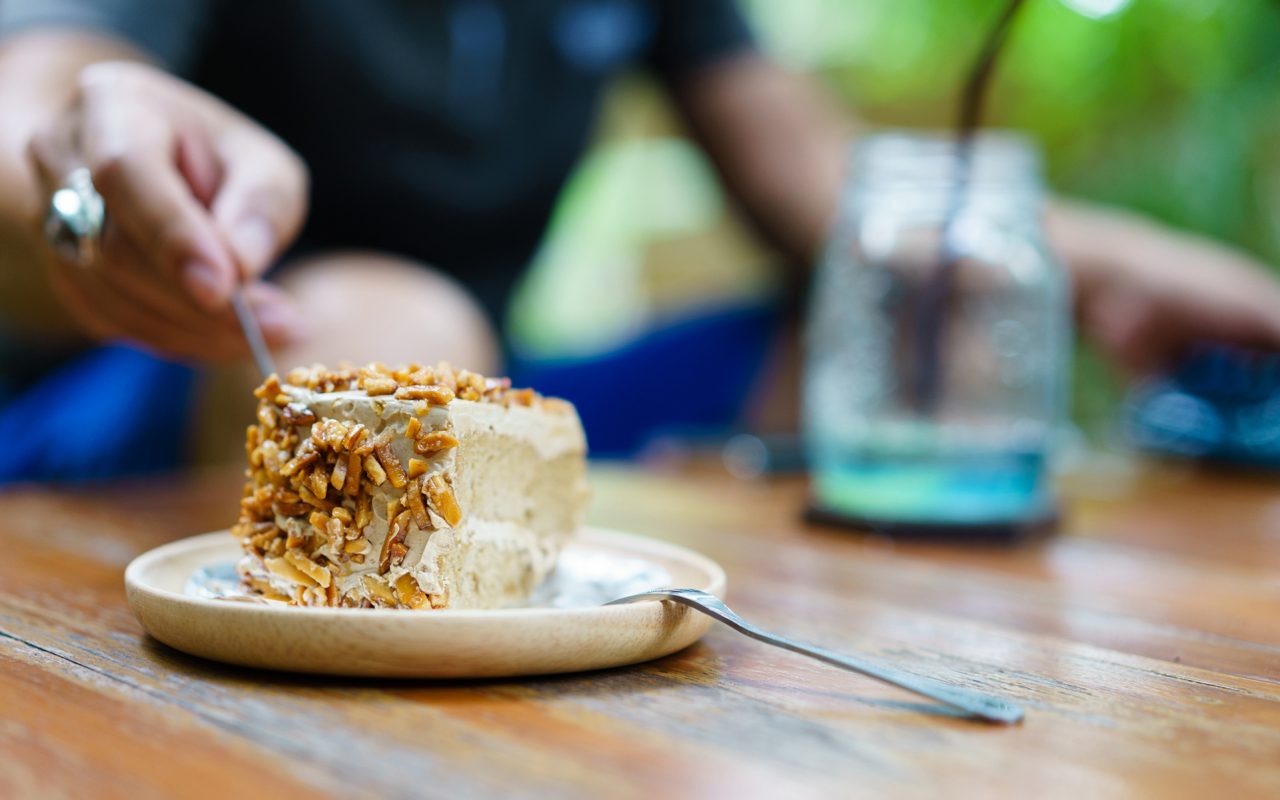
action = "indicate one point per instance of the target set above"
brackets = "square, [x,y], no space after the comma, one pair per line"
[419,487]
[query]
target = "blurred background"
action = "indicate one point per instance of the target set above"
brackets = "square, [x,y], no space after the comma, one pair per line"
[1171,107]
[648,277]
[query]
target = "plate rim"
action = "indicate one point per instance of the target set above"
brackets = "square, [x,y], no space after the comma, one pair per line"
[136,586]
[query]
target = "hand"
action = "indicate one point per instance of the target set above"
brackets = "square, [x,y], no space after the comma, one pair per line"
[1146,293]
[198,197]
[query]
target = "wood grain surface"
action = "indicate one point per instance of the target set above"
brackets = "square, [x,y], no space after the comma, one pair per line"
[1144,641]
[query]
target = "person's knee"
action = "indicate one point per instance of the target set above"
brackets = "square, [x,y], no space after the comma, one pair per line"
[365,307]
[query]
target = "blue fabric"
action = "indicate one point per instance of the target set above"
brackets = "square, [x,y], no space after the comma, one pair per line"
[689,378]
[1221,404]
[112,411]
[117,411]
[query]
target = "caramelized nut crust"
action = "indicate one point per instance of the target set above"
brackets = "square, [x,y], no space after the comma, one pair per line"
[308,500]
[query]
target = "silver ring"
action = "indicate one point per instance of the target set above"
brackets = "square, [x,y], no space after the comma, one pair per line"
[73,225]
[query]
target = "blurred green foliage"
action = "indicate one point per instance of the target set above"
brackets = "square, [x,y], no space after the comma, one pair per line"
[1171,107]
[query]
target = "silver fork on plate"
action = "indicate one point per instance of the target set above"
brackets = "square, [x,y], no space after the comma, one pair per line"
[976,704]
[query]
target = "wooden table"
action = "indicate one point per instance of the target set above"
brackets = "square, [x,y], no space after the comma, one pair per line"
[1144,642]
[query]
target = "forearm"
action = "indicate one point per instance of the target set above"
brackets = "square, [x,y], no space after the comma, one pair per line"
[779,145]
[38,77]
[781,148]
[1143,291]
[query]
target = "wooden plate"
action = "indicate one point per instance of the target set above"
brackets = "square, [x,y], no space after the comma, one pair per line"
[422,644]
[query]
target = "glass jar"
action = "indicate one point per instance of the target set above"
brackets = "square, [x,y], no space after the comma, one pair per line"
[938,339]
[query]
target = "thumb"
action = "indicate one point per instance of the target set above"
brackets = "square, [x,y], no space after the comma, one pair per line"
[262,201]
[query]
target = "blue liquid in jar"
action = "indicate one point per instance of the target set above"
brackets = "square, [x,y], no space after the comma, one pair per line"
[963,484]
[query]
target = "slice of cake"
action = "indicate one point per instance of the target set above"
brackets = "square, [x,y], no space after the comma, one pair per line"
[415,488]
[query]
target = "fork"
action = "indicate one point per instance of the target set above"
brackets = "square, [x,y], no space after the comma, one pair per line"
[974,704]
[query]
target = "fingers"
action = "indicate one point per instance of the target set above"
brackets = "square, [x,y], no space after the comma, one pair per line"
[1127,326]
[199,165]
[278,314]
[262,201]
[115,300]
[111,308]
[52,152]
[1158,292]
[120,297]
[254,184]
[150,201]
[191,190]
[130,147]
[107,312]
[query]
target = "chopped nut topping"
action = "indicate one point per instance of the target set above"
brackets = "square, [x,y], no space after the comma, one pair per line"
[408,593]
[447,375]
[269,388]
[355,468]
[428,444]
[378,386]
[298,414]
[399,528]
[521,397]
[413,499]
[355,436]
[310,498]
[336,531]
[263,540]
[470,385]
[436,395]
[442,500]
[329,433]
[289,504]
[305,459]
[378,587]
[364,512]
[311,569]
[391,464]
[296,539]
[338,478]
[319,482]
[271,457]
[398,552]
[286,570]
[374,470]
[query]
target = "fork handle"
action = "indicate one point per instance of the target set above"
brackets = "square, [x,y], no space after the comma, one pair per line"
[984,706]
